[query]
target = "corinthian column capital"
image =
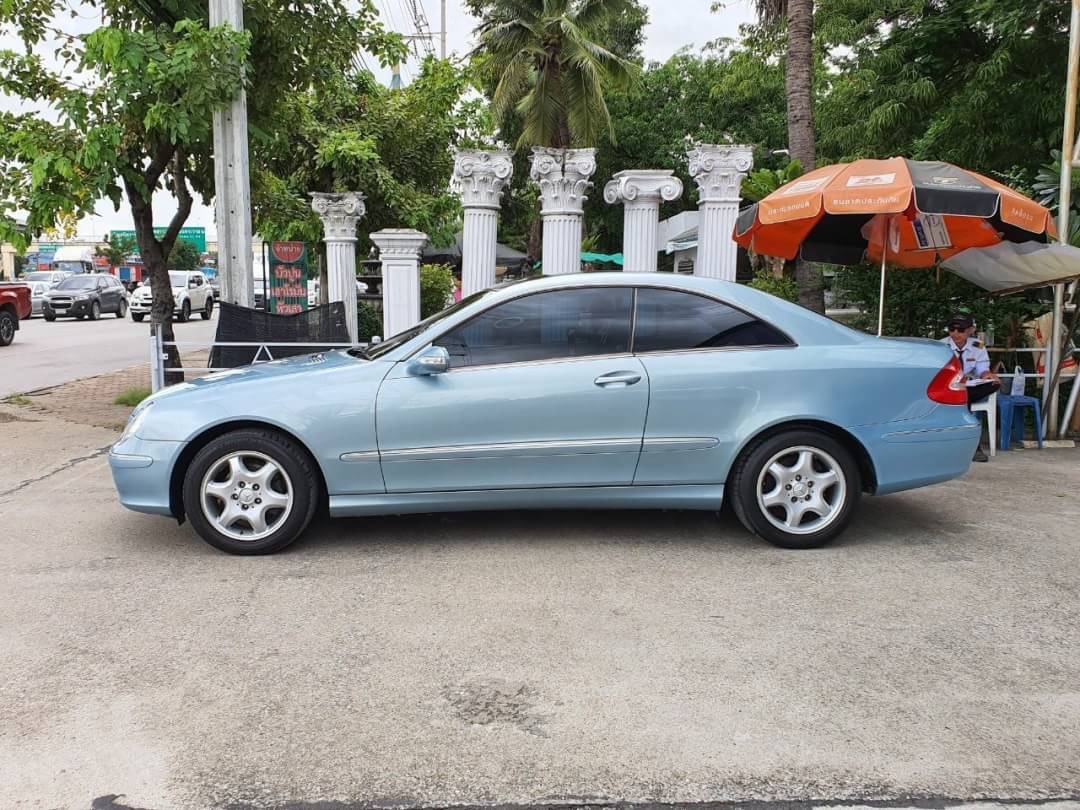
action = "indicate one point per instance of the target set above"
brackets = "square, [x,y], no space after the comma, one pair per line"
[339,214]
[718,170]
[480,175]
[563,176]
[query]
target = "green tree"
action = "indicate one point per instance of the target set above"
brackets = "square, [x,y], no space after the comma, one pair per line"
[184,257]
[552,68]
[138,119]
[116,249]
[796,17]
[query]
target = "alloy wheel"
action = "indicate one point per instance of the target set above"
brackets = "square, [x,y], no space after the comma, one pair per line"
[801,490]
[246,495]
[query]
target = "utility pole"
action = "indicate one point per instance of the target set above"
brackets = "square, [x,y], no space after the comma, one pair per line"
[232,195]
[442,31]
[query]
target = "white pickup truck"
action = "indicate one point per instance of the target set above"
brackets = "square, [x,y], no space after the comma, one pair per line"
[191,293]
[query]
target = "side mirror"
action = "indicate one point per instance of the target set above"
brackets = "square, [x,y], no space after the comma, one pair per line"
[433,360]
[192,284]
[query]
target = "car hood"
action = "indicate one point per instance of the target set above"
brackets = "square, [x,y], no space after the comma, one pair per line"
[146,292]
[277,368]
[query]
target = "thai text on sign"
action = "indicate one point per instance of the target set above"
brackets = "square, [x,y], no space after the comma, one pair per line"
[287,293]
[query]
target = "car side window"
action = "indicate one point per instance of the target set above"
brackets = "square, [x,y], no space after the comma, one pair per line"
[544,326]
[670,320]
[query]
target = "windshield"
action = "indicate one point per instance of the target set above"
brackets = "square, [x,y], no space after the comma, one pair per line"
[40,275]
[175,279]
[78,283]
[379,349]
[70,267]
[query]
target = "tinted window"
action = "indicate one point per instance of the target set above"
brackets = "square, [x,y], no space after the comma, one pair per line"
[545,326]
[670,320]
[78,283]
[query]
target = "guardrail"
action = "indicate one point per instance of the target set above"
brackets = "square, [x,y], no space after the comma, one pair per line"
[263,354]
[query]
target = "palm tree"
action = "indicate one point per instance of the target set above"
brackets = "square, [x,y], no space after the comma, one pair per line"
[798,77]
[551,70]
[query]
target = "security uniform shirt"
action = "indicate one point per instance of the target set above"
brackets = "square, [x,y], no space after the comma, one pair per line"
[973,357]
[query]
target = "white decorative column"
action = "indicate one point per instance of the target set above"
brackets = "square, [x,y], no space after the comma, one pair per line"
[480,177]
[640,191]
[339,214]
[718,171]
[563,176]
[7,261]
[399,251]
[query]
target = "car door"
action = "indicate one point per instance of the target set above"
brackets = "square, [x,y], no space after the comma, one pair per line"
[542,392]
[199,293]
[105,299]
[116,292]
[708,363]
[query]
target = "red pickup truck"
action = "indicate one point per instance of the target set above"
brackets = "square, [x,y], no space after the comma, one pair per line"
[14,306]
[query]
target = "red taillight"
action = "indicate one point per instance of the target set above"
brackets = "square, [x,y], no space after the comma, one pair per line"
[948,386]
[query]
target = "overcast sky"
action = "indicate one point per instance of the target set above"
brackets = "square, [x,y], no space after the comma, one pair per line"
[673,24]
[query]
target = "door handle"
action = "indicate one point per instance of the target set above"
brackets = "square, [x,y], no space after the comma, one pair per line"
[622,378]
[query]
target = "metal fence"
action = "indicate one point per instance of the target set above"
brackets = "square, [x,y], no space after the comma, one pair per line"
[264,354]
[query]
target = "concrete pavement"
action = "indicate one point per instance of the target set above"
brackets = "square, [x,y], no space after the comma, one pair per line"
[519,658]
[46,354]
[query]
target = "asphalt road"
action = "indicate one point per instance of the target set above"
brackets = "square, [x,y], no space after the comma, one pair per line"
[46,354]
[566,659]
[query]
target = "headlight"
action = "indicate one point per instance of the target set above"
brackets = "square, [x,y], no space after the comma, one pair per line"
[135,421]
[84,297]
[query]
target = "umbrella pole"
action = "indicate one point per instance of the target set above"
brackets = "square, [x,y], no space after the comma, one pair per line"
[881,296]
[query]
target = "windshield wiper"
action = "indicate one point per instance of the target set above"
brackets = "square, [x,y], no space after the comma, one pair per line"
[359,351]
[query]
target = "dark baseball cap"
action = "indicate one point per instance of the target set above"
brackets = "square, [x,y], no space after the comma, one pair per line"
[961,321]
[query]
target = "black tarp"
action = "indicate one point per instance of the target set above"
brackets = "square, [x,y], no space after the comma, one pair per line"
[236,324]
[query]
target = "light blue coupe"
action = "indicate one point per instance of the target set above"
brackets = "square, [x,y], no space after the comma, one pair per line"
[613,391]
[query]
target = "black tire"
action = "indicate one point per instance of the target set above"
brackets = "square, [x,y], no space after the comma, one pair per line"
[137,317]
[121,309]
[95,310]
[185,312]
[291,458]
[7,327]
[50,318]
[208,310]
[749,474]
[80,317]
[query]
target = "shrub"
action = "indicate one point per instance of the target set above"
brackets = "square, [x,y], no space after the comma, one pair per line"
[369,322]
[436,286]
[781,287]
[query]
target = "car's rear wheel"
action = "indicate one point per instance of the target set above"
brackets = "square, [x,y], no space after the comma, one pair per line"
[137,317]
[7,328]
[208,310]
[121,309]
[797,489]
[251,491]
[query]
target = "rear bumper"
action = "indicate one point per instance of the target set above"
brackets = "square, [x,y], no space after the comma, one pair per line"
[908,455]
[141,471]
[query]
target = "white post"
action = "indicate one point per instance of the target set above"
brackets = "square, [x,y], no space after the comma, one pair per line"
[232,197]
[718,171]
[399,251]
[339,214]
[563,176]
[640,192]
[480,177]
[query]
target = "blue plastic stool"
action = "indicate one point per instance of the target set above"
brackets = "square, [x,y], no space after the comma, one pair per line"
[1009,408]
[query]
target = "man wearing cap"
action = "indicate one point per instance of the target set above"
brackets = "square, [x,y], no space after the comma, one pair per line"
[975,361]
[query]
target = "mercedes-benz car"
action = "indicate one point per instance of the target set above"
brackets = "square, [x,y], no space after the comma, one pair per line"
[599,391]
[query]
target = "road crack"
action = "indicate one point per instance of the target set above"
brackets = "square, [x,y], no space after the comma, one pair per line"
[67,465]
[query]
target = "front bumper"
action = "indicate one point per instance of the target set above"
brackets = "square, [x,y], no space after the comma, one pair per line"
[143,306]
[76,308]
[142,471]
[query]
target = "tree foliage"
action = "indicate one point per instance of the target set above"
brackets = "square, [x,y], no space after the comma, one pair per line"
[184,257]
[116,249]
[552,66]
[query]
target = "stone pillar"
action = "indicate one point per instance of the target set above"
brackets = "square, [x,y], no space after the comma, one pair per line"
[399,251]
[563,176]
[718,171]
[7,261]
[640,192]
[339,214]
[480,177]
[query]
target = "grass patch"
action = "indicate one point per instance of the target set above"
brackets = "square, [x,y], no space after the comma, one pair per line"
[132,397]
[16,399]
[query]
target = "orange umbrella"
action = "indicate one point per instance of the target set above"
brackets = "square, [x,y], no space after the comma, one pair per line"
[901,212]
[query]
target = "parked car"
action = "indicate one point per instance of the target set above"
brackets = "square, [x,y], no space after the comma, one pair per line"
[88,295]
[191,293]
[41,281]
[605,390]
[15,306]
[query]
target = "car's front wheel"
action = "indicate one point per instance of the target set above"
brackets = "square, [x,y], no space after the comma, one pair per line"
[251,491]
[137,317]
[95,310]
[797,489]
[208,310]
[185,312]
